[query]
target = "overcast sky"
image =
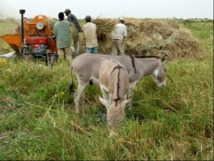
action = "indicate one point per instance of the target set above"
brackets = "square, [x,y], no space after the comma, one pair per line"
[110,8]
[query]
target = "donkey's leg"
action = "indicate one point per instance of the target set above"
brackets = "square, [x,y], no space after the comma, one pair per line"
[131,93]
[83,101]
[78,95]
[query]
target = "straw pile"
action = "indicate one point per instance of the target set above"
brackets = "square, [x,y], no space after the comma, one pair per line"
[104,29]
[51,21]
[184,44]
[149,37]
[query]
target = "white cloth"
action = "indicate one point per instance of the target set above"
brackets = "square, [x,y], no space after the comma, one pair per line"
[7,55]
[120,32]
[89,30]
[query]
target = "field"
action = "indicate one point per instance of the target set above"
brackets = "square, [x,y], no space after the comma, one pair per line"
[38,122]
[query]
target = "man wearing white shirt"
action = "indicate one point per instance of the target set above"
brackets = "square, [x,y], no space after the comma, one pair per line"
[118,36]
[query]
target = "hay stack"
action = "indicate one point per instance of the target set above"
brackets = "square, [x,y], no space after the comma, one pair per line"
[104,29]
[184,44]
[149,37]
[51,22]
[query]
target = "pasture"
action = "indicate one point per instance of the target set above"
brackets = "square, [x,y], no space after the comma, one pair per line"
[38,119]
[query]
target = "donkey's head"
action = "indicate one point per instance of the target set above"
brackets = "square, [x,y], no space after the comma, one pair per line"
[159,74]
[115,113]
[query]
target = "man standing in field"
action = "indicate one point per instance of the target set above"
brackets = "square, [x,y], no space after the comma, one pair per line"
[89,30]
[118,36]
[75,29]
[62,32]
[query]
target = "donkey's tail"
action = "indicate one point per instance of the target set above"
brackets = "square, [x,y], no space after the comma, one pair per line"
[71,80]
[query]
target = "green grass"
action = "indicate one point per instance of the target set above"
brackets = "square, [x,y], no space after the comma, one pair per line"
[37,118]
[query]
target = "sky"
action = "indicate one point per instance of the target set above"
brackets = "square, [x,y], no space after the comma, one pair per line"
[110,8]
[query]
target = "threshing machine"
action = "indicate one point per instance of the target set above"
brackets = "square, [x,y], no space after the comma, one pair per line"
[34,38]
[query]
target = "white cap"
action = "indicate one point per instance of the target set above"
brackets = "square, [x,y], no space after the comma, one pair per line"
[121,18]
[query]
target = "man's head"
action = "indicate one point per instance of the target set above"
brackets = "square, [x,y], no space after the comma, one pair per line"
[121,19]
[61,16]
[88,18]
[67,11]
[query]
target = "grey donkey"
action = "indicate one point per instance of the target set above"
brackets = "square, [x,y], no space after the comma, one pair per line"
[86,68]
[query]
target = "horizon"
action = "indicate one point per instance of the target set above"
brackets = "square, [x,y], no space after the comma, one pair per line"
[159,9]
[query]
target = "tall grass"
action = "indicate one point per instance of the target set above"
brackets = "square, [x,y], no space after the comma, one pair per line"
[37,118]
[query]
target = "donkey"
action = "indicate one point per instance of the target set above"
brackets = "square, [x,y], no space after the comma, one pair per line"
[114,80]
[86,68]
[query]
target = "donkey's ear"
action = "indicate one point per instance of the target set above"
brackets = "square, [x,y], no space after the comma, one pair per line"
[164,57]
[125,103]
[104,102]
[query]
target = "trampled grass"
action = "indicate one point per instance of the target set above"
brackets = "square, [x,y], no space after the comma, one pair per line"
[37,118]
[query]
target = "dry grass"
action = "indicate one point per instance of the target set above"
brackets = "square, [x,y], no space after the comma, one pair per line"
[150,37]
